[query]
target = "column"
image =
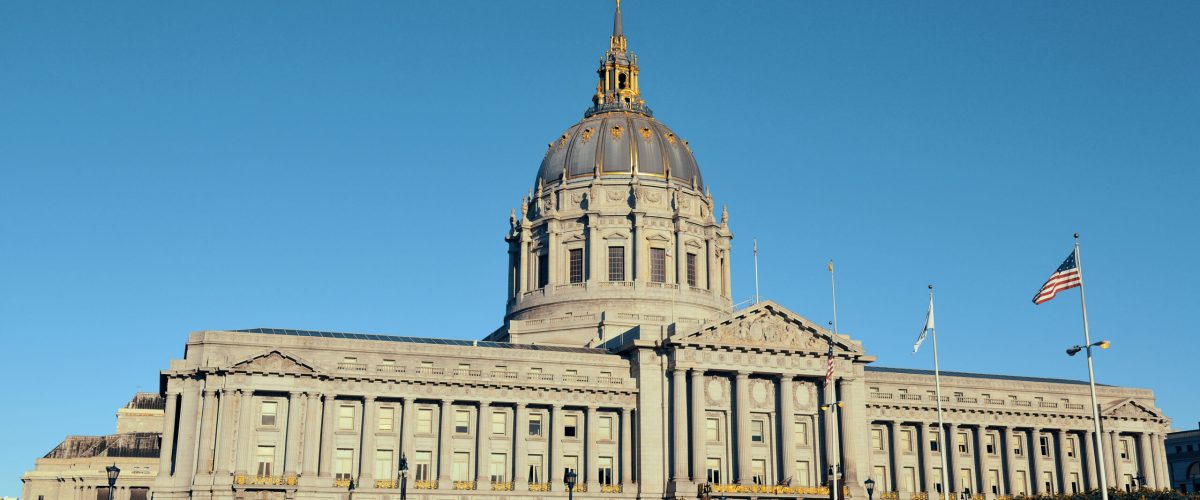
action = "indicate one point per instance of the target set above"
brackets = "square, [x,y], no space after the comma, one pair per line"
[1036,482]
[291,455]
[523,274]
[407,427]
[710,267]
[168,437]
[244,431]
[725,273]
[952,459]
[208,425]
[554,254]
[894,454]
[639,250]
[554,445]
[596,268]
[982,461]
[929,478]
[1160,457]
[444,447]
[366,460]
[225,433]
[787,425]
[592,416]
[1114,456]
[853,392]
[483,446]
[327,435]
[679,424]
[1060,465]
[1089,454]
[627,449]
[680,257]
[1145,464]
[742,400]
[312,435]
[189,417]
[698,429]
[521,455]
[1010,461]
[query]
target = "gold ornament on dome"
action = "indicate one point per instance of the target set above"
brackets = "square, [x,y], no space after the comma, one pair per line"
[617,131]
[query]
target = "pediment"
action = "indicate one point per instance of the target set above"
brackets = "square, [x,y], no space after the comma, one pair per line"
[693,244]
[616,235]
[274,362]
[574,237]
[769,325]
[657,237]
[1131,408]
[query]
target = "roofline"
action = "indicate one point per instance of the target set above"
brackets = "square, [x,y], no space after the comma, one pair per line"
[1019,378]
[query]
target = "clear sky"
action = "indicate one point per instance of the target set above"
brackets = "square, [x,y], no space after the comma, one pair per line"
[167,167]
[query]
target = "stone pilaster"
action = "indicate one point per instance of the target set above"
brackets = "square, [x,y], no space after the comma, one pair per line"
[787,428]
[327,444]
[1036,482]
[312,435]
[894,454]
[554,445]
[208,426]
[1160,457]
[444,447]
[483,446]
[679,437]
[590,469]
[952,459]
[928,477]
[225,433]
[370,425]
[189,417]
[855,448]
[407,428]
[168,437]
[1145,464]
[1010,461]
[1060,463]
[698,443]
[626,449]
[520,451]
[742,424]
[291,460]
[1089,455]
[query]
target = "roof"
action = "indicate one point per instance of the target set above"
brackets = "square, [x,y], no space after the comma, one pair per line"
[913,371]
[136,445]
[423,340]
[146,401]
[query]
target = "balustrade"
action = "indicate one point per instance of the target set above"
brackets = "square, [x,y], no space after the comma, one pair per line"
[423,484]
[352,367]
[502,486]
[464,485]
[539,486]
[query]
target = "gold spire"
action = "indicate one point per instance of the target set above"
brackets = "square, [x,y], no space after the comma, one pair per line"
[618,89]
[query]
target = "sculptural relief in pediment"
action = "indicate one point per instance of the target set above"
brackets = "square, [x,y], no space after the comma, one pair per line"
[1132,409]
[765,328]
[274,361]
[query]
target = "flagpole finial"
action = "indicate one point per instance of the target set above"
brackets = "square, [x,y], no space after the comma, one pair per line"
[1076,235]
[931,287]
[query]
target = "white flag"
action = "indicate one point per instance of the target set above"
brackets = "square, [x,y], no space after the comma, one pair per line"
[928,326]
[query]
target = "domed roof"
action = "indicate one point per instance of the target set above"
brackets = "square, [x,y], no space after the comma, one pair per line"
[620,143]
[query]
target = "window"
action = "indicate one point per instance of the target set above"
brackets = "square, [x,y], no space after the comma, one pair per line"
[881,473]
[571,463]
[499,423]
[994,481]
[604,470]
[383,464]
[802,473]
[535,469]
[535,370]
[691,269]
[134,494]
[991,444]
[906,440]
[343,463]
[543,269]
[462,422]
[102,493]
[658,265]
[265,458]
[937,477]
[616,263]
[712,430]
[758,471]
[345,418]
[572,372]
[933,442]
[387,419]
[498,468]
[575,260]
[1124,450]
[877,439]
[422,464]
[535,424]
[1022,485]
[802,433]
[1071,447]
[1048,480]
[387,365]
[964,478]
[1074,482]
[756,431]
[962,443]
[909,479]
[712,468]
[268,411]
[606,429]
[1045,444]
[460,467]
[1018,445]
[425,420]
[571,426]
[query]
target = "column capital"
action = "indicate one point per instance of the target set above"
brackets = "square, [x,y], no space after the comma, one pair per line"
[295,394]
[742,374]
[313,395]
[521,405]
[367,398]
[484,403]
[697,372]
[445,402]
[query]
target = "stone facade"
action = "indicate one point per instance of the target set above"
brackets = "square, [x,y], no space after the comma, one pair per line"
[1183,460]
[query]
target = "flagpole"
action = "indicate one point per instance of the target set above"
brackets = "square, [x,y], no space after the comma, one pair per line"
[1087,341]
[755,270]
[833,287]
[836,445]
[937,385]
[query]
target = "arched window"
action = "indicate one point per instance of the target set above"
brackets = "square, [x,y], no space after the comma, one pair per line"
[1194,471]
[621,81]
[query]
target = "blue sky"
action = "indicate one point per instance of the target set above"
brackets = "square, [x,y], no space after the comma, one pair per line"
[167,167]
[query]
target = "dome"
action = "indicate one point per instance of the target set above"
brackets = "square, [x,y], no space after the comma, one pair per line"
[619,144]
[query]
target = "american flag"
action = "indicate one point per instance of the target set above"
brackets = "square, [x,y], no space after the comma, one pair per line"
[829,368]
[1064,278]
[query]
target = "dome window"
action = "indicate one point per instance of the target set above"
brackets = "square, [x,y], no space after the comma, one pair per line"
[587,134]
[617,131]
[621,83]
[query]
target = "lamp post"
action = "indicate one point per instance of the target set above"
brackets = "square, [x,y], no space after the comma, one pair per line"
[1141,480]
[113,471]
[403,477]
[870,484]
[1099,444]
[706,491]
[350,490]
[569,478]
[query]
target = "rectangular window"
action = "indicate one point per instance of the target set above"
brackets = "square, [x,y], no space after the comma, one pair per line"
[756,431]
[387,365]
[1071,447]
[387,419]
[604,470]
[658,265]
[498,468]
[964,479]
[758,471]
[1022,485]
[499,423]
[802,433]
[535,469]
[575,261]
[937,479]
[881,473]
[460,467]
[422,465]
[1124,449]
[712,430]
[606,429]
[1048,481]
[802,473]
[345,418]
[462,422]
[1045,444]
[543,263]
[425,420]
[383,464]
[962,443]
[343,463]
[933,442]
[906,440]
[877,439]
[269,410]
[991,444]
[535,424]
[571,426]
[909,479]
[1074,482]
[265,458]
[1018,445]
[712,468]
[134,494]
[102,493]
[994,481]
[691,269]
[570,463]
[616,263]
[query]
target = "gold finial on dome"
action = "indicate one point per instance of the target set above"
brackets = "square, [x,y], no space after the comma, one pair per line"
[618,89]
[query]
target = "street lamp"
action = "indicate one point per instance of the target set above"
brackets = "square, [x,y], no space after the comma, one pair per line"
[706,490]
[1073,350]
[1141,480]
[1103,344]
[570,480]
[403,477]
[350,489]
[870,484]
[113,471]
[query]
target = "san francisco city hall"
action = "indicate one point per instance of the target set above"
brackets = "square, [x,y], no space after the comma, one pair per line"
[621,357]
